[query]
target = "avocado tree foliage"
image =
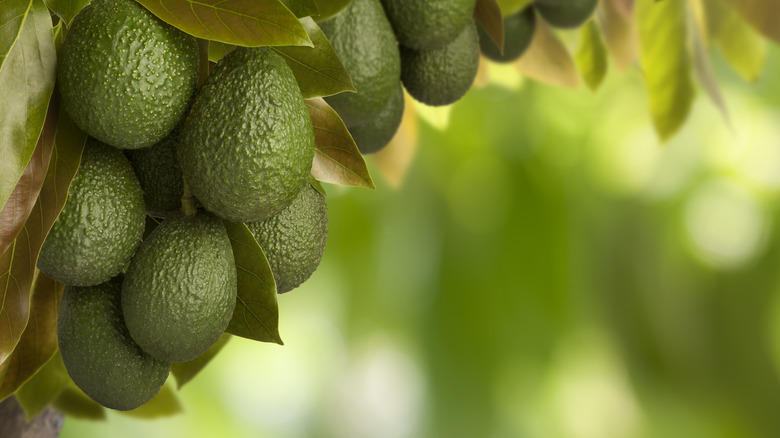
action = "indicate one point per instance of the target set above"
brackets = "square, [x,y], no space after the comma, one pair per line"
[41,147]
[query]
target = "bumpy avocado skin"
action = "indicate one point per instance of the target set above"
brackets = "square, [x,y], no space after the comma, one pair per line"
[364,40]
[179,291]
[159,173]
[101,224]
[442,76]
[374,135]
[126,77]
[566,14]
[247,145]
[518,32]
[428,24]
[294,240]
[98,352]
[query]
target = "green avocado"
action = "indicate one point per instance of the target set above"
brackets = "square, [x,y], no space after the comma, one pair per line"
[180,288]
[376,133]
[101,224]
[98,352]
[160,176]
[566,14]
[125,76]
[442,76]
[518,33]
[294,240]
[428,24]
[364,41]
[247,145]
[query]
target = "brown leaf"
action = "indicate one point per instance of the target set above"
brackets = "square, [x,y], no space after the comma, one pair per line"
[488,14]
[761,14]
[620,33]
[548,60]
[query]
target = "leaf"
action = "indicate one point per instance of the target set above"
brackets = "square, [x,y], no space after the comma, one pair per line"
[73,402]
[547,59]
[393,160]
[27,81]
[12,17]
[703,70]
[249,23]
[510,7]
[218,50]
[66,9]
[302,8]
[591,56]
[317,186]
[39,339]
[337,159]
[619,29]
[185,371]
[43,387]
[17,263]
[256,315]
[666,63]
[317,69]
[488,14]
[329,8]
[761,14]
[742,46]
[164,404]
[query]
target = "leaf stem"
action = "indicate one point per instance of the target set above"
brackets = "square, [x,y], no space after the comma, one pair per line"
[188,201]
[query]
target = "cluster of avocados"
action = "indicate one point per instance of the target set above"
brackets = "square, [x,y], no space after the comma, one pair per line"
[237,148]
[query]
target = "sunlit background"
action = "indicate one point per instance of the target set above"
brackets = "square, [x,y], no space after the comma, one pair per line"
[547,269]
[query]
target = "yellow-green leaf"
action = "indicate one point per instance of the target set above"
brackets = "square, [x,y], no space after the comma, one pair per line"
[218,50]
[249,23]
[329,8]
[66,9]
[488,14]
[591,55]
[744,49]
[43,387]
[74,403]
[509,7]
[185,371]
[761,14]
[12,16]
[164,404]
[666,63]
[548,60]
[337,159]
[302,8]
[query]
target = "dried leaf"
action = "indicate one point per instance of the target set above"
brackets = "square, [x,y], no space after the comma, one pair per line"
[548,60]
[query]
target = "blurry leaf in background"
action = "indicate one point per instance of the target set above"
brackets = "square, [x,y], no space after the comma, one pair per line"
[302,8]
[762,14]
[73,402]
[509,7]
[744,49]
[249,23]
[666,63]
[66,9]
[164,404]
[256,315]
[317,69]
[39,339]
[329,8]
[706,76]
[620,33]
[488,14]
[547,59]
[44,387]
[185,371]
[393,160]
[337,159]
[591,55]
[27,77]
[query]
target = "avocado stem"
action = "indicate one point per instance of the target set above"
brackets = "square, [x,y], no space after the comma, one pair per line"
[188,201]
[203,51]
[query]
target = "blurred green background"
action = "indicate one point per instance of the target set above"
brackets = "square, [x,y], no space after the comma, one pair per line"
[548,269]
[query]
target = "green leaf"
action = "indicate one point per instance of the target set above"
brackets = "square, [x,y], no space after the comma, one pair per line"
[256,315]
[12,17]
[218,50]
[510,7]
[591,55]
[317,186]
[317,69]
[547,59]
[27,80]
[249,23]
[761,14]
[66,9]
[742,46]
[337,159]
[488,14]
[43,387]
[302,8]
[73,402]
[705,75]
[164,404]
[666,63]
[17,263]
[329,8]
[185,371]
[39,339]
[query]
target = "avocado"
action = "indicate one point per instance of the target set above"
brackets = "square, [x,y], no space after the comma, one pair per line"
[364,41]
[428,24]
[101,224]
[125,76]
[160,176]
[247,145]
[376,133]
[566,14]
[180,288]
[442,76]
[518,33]
[98,352]
[294,240]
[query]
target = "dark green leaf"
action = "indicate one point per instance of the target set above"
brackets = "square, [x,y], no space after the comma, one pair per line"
[12,16]
[17,263]
[248,23]
[26,80]
[73,402]
[256,315]
[665,63]
[488,14]
[151,224]
[337,159]
[329,8]
[164,404]
[591,55]
[185,371]
[43,388]
[66,9]
[317,69]
[510,7]
[218,50]
[302,8]
[39,339]
[761,14]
